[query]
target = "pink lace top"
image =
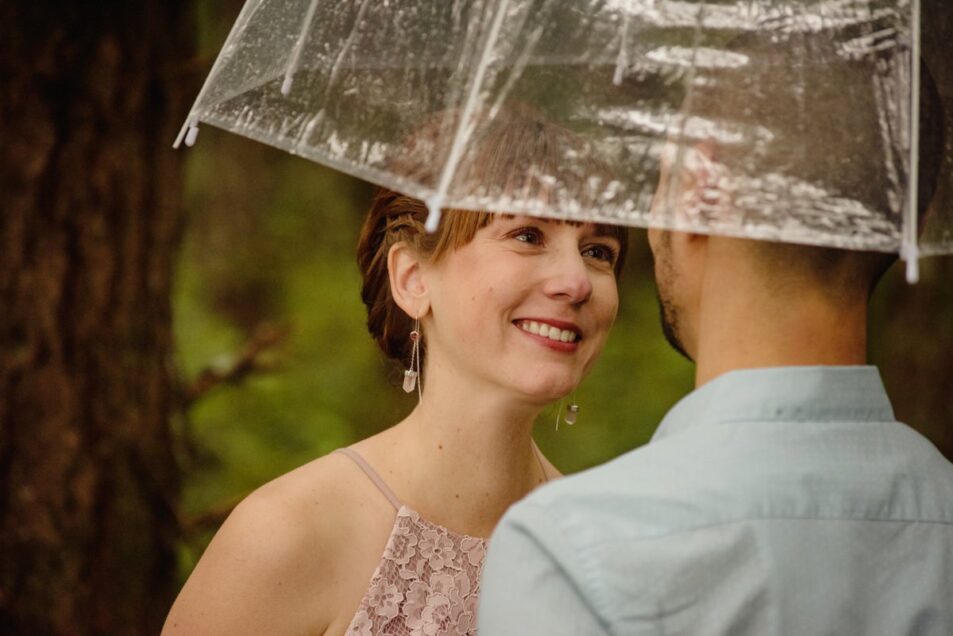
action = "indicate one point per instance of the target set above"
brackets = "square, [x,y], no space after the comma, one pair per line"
[428,580]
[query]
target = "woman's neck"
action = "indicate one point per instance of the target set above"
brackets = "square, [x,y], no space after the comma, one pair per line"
[465,454]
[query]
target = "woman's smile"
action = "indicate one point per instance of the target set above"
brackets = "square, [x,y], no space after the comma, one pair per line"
[555,334]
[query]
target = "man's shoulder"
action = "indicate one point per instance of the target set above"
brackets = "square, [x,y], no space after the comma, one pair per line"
[728,474]
[599,526]
[643,493]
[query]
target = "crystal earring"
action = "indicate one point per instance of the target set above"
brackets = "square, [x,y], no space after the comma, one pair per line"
[411,375]
[571,412]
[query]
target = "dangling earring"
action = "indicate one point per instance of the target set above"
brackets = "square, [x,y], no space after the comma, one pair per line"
[571,412]
[411,375]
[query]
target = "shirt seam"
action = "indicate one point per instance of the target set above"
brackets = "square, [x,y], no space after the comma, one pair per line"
[720,420]
[709,526]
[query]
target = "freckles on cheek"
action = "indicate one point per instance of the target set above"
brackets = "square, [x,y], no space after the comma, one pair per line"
[484,293]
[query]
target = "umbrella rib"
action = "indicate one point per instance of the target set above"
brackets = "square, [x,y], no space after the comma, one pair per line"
[298,48]
[435,203]
[622,62]
[910,249]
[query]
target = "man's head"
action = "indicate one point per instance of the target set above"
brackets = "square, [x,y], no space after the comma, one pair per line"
[824,148]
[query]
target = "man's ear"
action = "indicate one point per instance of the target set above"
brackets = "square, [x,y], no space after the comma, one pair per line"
[690,180]
[707,176]
[408,284]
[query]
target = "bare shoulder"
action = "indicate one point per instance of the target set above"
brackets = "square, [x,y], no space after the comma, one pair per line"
[276,563]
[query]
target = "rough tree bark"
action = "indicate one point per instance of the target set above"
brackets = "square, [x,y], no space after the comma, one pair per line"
[89,221]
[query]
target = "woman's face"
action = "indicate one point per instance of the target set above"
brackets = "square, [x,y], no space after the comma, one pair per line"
[525,307]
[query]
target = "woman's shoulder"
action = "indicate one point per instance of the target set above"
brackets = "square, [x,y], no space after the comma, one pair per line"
[273,564]
[325,487]
[304,510]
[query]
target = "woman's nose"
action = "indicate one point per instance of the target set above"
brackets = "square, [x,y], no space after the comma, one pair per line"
[569,278]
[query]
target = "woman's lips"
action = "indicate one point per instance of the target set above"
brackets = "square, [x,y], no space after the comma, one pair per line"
[555,334]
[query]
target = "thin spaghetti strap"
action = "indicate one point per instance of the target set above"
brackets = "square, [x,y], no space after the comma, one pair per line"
[372,474]
[539,459]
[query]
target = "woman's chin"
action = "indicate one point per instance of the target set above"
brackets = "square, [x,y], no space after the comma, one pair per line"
[548,393]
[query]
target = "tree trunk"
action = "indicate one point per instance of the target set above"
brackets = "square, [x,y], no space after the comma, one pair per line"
[90,219]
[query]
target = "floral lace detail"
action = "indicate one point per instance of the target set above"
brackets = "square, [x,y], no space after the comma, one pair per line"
[427,583]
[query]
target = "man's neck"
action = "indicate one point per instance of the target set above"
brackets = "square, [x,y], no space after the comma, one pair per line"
[740,328]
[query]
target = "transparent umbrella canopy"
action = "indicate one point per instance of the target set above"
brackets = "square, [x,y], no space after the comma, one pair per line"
[807,121]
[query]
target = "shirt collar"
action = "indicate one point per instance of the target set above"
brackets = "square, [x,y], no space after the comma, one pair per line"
[790,394]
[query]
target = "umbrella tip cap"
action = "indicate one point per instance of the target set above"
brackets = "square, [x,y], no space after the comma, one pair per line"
[911,256]
[286,85]
[617,76]
[913,271]
[433,214]
[191,135]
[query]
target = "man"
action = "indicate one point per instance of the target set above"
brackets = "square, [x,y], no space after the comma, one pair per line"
[781,496]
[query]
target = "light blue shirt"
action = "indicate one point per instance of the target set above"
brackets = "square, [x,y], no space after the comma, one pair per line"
[769,501]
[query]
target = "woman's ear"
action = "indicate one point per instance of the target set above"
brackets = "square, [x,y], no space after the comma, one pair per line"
[408,285]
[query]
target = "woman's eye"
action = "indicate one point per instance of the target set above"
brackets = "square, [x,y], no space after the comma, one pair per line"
[600,253]
[528,235]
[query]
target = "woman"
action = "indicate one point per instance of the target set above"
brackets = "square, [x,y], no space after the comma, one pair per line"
[500,316]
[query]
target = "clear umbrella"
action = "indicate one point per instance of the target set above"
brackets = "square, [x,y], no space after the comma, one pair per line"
[772,119]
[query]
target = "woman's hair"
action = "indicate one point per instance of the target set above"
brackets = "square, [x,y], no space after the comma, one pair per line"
[395,218]
[514,150]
